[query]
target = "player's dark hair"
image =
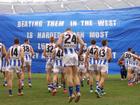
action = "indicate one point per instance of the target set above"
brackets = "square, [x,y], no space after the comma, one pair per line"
[68,29]
[93,41]
[104,42]
[129,49]
[16,41]
[26,40]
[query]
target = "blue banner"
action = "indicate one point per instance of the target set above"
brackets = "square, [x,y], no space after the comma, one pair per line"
[121,27]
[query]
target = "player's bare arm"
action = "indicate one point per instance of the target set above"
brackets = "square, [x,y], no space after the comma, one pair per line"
[8,56]
[136,57]
[121,59]
[32,51]
[109,57]
[22,56]
[53,54]
[59,42]
[81,42]
[44,51]
[86,58]
[3,51]
[96,54]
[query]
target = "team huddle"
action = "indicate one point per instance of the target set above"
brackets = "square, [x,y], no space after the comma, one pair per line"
[131,61]
[65,58]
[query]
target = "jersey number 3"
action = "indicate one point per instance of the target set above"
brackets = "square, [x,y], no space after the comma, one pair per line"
[102,53]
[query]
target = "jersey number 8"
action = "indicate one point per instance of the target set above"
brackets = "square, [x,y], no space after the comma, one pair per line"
[26,48]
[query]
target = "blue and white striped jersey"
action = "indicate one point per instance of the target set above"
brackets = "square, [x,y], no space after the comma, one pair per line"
[103,52]
[128,58]
[49,49]
[82,59]
[15,55]
[27,51]
[70,43]
[93,49]
[4,62]
[1,45]
[135,63]
[58,57]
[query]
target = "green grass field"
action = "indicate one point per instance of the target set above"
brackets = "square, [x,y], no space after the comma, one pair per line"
[118,93]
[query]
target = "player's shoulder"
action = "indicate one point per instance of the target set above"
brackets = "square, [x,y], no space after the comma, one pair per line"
[127,52]
[70,33]
[64,34]
[55,49]
[47,44]
[29,45]
[89,47]
[74,33]
[1,44]
[54,44]
[19,46]
[108,48]
[22,45]
[97,46]
[11,47]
